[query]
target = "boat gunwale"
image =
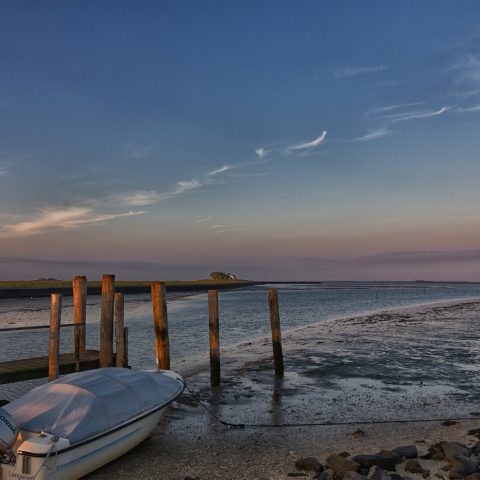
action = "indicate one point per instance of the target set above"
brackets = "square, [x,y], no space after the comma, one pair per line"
[107,432]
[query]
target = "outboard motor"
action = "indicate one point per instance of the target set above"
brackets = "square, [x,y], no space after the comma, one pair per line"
[8,431]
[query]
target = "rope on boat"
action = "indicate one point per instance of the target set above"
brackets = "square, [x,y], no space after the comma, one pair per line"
[54,441]
[318,424]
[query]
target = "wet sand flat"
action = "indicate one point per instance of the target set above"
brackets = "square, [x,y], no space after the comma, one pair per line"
[415,363]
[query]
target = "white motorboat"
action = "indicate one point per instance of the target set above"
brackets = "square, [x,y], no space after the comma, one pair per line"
[82,421]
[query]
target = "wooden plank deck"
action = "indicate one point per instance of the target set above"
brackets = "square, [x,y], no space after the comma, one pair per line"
[31,368]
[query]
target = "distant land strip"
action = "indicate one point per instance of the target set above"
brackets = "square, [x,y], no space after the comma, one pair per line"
[28,289]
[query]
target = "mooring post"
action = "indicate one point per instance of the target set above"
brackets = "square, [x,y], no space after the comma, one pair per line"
[125,346]
[106,321]
[119,321]
[54,342]
[276,334]
[214,333]
[160,325]
[79,317]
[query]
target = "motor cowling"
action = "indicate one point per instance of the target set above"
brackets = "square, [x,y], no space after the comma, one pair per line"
[8,430]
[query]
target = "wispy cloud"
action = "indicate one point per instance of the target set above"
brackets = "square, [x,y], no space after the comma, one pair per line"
[413,115]
[312,144]
[354,71]
[261,152]
[138,198]
[467,70]
[217,171]
[185,186]
[49,219]
[472,109]
[390,108]
[379,133]
[204,220]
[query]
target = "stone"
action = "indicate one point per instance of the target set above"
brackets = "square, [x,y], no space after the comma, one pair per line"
[407,451]
[309,464]
[3,402]
[435,452]
[353,476]
[413,466]
[452,449]
[340,465]
[437,475]
[375,473]
[396,476]
[473,476]
[321,476]
[344,454]
[386,462]
[468,464]
[456,473]
[359,434]
[296,474]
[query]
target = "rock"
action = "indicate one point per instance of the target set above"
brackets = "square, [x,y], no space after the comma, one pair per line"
[387,462]
[408,451]
[340,465]
[375,473]
[344,454]
[413,466]
[437,475]
[322,476]
[353,476]
[435,452]
[296,474]
[456,473]
[468,464]
[359,434]
[309,464]
[456,454]
[476,448]
[396,476]
[449,423]
[3,402]
[473,476]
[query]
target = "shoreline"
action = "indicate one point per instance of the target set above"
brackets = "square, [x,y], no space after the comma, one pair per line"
[36,292]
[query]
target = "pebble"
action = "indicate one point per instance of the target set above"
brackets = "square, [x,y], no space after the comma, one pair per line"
[386,462]
[340,465]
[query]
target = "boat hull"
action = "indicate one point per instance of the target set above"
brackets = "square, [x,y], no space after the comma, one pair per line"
[77,461]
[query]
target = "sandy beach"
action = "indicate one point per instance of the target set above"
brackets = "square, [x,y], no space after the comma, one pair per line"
[408,364]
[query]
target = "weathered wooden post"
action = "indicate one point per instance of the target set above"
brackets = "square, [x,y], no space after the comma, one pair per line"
[276,334]
[160,325]
[119,321]
[79,317]
[214,333]
[54,342]
[106,321]
[125,346]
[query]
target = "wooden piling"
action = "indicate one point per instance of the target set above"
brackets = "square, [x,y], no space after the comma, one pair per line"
[160,325]
[106,321]
[79,287]
[214,334]
[119,321]
[54,341]
[125,347]
[276,334]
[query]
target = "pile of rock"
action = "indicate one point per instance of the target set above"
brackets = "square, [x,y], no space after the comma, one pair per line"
[460,462]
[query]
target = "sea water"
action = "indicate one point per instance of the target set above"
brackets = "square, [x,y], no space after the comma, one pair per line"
[243,317]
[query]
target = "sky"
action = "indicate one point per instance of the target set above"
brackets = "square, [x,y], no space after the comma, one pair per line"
[275,140]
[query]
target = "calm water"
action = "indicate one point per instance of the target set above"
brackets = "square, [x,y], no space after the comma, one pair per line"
[243,316]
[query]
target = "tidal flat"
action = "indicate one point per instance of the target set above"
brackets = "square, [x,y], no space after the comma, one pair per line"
[417,363]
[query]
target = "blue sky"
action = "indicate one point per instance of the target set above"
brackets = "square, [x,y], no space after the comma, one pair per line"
[278,140]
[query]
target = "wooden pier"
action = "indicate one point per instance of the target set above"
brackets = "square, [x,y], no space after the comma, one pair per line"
[37,367]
